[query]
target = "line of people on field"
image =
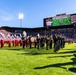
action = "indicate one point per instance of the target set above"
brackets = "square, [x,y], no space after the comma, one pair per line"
[44,41]
[59,42]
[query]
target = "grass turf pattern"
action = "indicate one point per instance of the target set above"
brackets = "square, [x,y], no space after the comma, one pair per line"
[18,61]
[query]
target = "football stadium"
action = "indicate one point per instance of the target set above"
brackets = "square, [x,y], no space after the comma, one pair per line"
[47,50]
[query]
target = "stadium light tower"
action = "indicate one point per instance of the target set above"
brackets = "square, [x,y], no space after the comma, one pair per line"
[21,16]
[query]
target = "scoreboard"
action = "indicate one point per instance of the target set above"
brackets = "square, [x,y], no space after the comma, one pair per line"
[60,20]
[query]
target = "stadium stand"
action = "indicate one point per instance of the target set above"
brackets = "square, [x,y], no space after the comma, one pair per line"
[13,33]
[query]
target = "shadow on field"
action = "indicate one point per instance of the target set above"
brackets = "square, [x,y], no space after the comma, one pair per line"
[60,56]
[74,51]
[73,69]
[37,52]
[60,65]
[30,53]
[55,65]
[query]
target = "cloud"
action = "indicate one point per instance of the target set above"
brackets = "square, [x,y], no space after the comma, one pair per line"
[8,18]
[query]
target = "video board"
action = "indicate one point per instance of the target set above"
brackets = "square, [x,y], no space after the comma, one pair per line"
[60,20]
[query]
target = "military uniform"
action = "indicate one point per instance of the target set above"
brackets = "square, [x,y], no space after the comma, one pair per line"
[23,41]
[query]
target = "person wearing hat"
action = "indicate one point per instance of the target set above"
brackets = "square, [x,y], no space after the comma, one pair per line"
[23,41]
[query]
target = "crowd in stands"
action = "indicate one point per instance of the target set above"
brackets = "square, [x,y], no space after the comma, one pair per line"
[8,35]
[69,33]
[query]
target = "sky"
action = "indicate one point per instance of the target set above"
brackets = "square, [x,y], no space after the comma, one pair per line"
[34,11]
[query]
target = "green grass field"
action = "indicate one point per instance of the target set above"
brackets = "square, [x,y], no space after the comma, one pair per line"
[18,61]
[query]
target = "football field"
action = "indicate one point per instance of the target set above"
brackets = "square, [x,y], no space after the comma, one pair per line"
[18,61]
